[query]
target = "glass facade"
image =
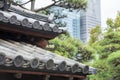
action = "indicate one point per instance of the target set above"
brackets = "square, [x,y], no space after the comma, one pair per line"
[72,20]
[80,23]
[89,19]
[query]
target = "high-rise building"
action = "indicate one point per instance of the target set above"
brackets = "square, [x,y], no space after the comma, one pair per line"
[72,20]
[73,24]
[80,23]
[89,19]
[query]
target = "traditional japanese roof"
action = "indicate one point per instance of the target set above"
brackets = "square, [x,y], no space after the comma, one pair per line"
[21,57]
[18,20]
[26,57]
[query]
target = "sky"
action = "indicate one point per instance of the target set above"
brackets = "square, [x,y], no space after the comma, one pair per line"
[109,8]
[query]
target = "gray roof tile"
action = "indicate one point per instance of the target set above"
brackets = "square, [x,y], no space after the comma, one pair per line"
[25,55]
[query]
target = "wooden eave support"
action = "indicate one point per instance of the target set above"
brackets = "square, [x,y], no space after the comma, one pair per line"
[31,32]
[71,78]
[47,75]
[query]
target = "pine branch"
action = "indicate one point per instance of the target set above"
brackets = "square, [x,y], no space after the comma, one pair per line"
[43,8]
[25,3]
[14,3]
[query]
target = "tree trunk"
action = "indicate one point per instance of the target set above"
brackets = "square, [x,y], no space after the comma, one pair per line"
[32,5]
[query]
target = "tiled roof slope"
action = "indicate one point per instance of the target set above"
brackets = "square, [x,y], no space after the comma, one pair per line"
[27,56]
[18,18]
[30,14]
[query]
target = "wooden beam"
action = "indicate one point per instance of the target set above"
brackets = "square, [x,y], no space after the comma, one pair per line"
[47,77]
[71,78]
[43,73]
[25,31]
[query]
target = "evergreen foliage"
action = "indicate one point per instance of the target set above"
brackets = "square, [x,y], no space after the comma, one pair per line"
[108,64]
[68,47]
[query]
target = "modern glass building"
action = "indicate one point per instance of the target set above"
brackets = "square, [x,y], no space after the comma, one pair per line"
[73,24]
[80,23]
[89,19]
[72,20]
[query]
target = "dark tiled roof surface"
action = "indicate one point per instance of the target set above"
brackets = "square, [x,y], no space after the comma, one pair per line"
[21,18]
[17,19]
[23,55]
[26,13]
